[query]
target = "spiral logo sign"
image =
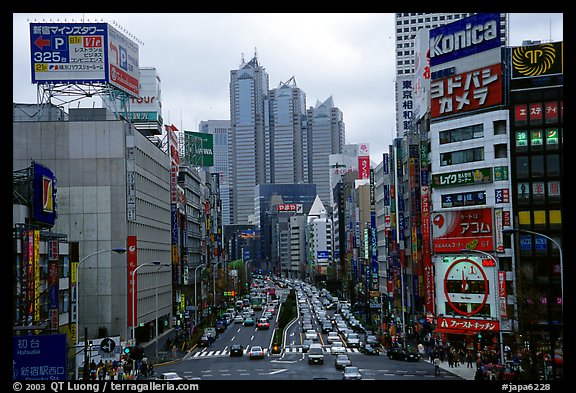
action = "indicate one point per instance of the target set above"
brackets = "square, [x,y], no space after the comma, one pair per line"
[537,60]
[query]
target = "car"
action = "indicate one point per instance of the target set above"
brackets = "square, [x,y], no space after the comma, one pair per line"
[307,326]
[171,376]
[333,337]
[398,353]
[351,373]
[353,340]
[371,340]
[236,350]
[249,321]
[311,334]
[263,324]
[326,327]
[337,348]
[256,352]
[221,325]
[368,349]
[205,341]
[306,345]
[342,361]
[238,319]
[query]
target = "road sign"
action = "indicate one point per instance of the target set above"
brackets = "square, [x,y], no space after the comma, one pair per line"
[107,345]
[39,357]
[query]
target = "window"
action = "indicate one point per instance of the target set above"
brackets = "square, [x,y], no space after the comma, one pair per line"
[500,127]
[522,169]
[553,165]
[462,156]
[500,151]
[537,165]
[462,134]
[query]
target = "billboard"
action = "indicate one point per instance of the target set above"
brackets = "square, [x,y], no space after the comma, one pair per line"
[476,89]
[464,37]
[537,60]
[44,201]
[463,229]
[199,148]
[83,53]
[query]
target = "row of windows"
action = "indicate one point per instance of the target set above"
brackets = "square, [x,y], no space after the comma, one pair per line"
[462,156]
[537,140]
[537,165]
[462,134]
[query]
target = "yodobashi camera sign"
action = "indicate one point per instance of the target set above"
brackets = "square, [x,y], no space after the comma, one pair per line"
[464,37]
[83,53]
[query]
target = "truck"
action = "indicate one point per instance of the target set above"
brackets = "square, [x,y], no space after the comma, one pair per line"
[315,354]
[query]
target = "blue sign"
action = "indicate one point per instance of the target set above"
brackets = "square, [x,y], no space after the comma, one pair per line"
[322,254]
[464,37]
[36,357]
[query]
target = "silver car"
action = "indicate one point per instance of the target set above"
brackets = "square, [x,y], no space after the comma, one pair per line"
[351,373]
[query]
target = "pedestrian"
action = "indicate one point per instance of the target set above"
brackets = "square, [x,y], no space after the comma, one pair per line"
[436,366]
[469,359]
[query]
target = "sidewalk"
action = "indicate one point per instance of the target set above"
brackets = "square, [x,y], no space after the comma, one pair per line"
[164,355]
[461,371]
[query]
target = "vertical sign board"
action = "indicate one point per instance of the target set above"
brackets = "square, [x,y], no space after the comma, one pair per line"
[39,357]
[132,259]
[44,210]
[83,53]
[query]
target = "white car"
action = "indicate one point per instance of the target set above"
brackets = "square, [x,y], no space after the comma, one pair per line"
[311,334]
[170,376]
[337,348]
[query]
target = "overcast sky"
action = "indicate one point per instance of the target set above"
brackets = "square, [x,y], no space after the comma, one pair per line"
[349,56]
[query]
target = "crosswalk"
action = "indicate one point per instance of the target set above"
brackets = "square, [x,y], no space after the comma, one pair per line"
[205,352]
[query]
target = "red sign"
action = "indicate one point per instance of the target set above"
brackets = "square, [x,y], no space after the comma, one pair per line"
[520,114]
[471,90]
[364,167]
[463,229]
[426,257]
[466,325]
[551,111]
[502,294]
[535,112]
[132,259]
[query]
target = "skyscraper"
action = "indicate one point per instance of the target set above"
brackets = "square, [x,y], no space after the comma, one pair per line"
[248,118]
[288,148]
[325,135]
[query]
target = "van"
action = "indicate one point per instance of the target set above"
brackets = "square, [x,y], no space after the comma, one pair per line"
[315,354]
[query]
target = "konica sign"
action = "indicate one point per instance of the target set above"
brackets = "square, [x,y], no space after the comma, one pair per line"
[465,37]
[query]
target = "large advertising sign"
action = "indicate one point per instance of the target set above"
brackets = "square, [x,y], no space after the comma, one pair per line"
[132,260]
[83,53]
[467,286]
[537,60]
[363,161]
[464,37]
[470,229]
[44,210]
[39,357]
[199,148]
[480,88]
[421,85]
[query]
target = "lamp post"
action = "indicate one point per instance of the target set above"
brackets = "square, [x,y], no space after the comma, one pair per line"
[156,263]
[214,265]
[156,323]
[195,295]
[514,230]
[120,250]
[496,303]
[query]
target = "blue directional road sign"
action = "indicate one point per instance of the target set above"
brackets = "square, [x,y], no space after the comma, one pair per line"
[39,357]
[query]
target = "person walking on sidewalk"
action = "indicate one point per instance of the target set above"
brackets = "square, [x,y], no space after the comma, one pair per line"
[436,366]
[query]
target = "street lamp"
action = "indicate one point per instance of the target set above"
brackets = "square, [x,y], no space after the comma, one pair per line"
[514,230]
[155,263]
[496,303]
[119,250]
[156,323]
[195,295]
[214,281]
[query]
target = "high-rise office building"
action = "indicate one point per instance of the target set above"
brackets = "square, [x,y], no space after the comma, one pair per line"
[220,129]
[326,134]
[288,147]
[248,118]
